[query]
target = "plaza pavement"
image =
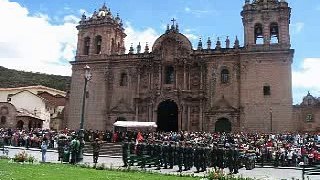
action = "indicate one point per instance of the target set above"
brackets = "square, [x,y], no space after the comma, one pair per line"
[266,173]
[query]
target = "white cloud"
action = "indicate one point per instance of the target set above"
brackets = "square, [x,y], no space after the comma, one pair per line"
[148,35]
[197,12]
[306,79]
[192,37]
[296,28]
[31,43]
[308,76]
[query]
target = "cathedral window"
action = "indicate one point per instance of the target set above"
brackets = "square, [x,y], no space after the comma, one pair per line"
[3,120]
[123,79]
[274,33]
[258,34]
[86,46]
[309,118]
[224,76]
[169,72]
[266,90]
[98,44]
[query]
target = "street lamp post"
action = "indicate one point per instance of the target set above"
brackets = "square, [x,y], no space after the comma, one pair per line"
[270,119]
[87,77]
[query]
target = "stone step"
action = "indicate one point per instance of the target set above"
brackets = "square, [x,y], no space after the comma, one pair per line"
[110,149]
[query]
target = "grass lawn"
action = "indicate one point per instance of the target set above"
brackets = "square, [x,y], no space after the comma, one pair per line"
[15,171]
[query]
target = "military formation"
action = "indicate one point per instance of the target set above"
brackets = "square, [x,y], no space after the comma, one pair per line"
[184,155]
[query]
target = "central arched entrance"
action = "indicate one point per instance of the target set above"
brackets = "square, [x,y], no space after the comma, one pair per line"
[167,116]
[223,125]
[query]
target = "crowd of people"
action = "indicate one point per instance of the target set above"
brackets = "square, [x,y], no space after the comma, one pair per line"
[33,138]
[184,149]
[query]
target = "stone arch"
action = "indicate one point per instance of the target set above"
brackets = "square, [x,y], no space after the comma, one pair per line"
[168,116]
[223,125]
[20,124]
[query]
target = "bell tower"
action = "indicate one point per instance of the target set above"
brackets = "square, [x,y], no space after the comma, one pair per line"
[100,34]
[266,23]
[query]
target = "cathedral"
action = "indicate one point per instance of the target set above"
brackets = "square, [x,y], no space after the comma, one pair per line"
[218,86]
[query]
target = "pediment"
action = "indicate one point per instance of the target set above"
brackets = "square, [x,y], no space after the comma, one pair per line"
[121,107]
[223,105]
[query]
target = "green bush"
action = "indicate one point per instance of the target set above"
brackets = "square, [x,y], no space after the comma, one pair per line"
[23,157]
[218,175]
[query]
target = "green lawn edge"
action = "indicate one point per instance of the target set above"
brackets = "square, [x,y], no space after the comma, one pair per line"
[17,171]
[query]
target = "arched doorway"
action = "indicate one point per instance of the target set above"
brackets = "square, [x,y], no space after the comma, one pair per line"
[167,116]
[223,125]
[20,124]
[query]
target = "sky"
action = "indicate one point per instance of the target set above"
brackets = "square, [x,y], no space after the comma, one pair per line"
[40,35]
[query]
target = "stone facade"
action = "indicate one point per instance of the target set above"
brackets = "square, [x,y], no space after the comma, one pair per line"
[307,114]
[8,115]
[212,88]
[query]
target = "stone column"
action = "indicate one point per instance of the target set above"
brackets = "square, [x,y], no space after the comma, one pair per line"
[160,79]
[138,89]
[201,117]
[189,86]
[201,78]
[137,112]
[188,118]
[176,77]
[184,77]
[151,79]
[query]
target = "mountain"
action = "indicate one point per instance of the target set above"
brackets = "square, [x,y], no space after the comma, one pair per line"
[14,78]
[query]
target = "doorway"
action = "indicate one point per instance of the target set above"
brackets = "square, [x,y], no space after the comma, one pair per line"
[223,125]
[167,116]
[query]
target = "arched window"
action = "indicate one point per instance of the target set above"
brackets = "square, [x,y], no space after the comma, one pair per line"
[98,44]
[3,120]
[258,34]
[274,33]
[224,76]
[86,46]
[169,75]
[123,79]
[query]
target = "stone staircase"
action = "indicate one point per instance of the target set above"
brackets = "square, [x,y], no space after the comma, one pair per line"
[107,149]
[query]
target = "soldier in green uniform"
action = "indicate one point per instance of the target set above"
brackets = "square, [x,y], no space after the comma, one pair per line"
[125,148]
[213,156]
[62,140]
[190,156]
[170,155]
[75,147]
[158,154]
[165,154]
[96,146]
[179,153]
[236,162]
[197,157]
[203,158]
[230,160]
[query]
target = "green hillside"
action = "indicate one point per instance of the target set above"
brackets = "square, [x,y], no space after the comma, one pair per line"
[13,78]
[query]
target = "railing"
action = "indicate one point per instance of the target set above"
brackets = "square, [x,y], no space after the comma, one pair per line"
[310,170]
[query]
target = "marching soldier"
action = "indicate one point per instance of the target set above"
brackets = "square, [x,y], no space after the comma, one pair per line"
[125,148]
[197,157]
[171,155]
[190,156]
[220,158]
[61,144]
[165,150]
[180,157]
[213,157]
[236,155]
[203,158]
[230,159]
[75,148]
[96,146]
[158,153]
